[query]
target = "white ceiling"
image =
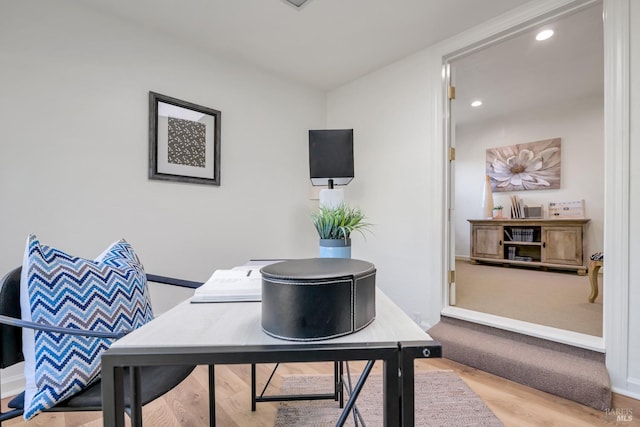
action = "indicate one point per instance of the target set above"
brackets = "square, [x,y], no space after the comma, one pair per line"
[324,44]
[521,73]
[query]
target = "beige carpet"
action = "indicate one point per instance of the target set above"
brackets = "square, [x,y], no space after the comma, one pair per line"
[551,298]
[441,399]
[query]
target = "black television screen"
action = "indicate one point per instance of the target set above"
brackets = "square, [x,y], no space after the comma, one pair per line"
[331,156]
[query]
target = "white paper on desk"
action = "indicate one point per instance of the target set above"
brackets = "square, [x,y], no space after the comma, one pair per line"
[231,285]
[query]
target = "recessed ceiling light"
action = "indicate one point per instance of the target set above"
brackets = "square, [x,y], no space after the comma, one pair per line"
[544,35]
[476,103]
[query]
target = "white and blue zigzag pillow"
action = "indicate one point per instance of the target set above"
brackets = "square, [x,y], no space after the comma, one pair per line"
[106,294]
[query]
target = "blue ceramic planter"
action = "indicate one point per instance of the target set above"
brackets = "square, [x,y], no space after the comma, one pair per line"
[335,248]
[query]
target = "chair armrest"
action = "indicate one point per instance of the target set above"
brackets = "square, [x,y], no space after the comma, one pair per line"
[172,281]
[12,321]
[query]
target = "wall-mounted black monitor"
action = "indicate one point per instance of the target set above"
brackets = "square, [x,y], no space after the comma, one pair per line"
[331,156]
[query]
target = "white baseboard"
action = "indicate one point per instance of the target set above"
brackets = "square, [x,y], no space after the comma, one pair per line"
[633,389]
[12,385]
[626,392]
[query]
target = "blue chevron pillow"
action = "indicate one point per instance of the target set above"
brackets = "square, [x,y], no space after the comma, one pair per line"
[107,294]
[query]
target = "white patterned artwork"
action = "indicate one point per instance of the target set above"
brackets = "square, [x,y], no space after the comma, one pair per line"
[528,166]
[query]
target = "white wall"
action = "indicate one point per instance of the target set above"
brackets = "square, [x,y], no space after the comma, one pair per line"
[74,120]
[580,125]
[398,179]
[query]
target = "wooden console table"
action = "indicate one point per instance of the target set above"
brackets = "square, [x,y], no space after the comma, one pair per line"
[544,243]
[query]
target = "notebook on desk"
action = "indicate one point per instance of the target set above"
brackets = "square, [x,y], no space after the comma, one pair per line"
[239,284]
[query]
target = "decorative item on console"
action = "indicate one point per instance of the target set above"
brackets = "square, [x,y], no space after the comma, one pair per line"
[566,209]
[520,210]
[533,211]
[487,199]
[516,208]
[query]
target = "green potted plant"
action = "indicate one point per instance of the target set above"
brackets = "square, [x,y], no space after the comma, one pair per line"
[497,211]
[335,225]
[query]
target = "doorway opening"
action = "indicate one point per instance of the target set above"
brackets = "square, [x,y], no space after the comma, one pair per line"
[530,91]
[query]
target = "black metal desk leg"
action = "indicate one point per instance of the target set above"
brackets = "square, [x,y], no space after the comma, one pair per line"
[355,393]
[338,375]
[407,399]
[212,396]
[112,395]
[253,387]
[391,391]
[408,354]
[135,396]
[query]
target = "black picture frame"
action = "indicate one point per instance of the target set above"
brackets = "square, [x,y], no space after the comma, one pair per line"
[184,141]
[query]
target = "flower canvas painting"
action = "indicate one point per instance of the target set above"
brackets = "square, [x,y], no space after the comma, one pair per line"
[529,166]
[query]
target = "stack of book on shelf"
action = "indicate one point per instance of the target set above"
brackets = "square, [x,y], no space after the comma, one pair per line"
[242,283]
[522,234]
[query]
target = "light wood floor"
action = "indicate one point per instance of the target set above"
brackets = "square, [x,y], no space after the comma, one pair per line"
[514,404]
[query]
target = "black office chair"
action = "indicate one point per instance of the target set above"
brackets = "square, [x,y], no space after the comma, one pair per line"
[155,380]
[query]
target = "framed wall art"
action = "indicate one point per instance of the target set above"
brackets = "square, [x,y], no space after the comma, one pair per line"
[184,141]
[529,166]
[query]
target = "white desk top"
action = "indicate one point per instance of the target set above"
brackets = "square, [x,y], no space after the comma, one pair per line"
[238,324]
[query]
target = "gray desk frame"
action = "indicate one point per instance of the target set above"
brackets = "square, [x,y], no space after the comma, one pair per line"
[200,334]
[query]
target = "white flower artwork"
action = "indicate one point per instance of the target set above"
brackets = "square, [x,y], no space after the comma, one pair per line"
[529,166]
